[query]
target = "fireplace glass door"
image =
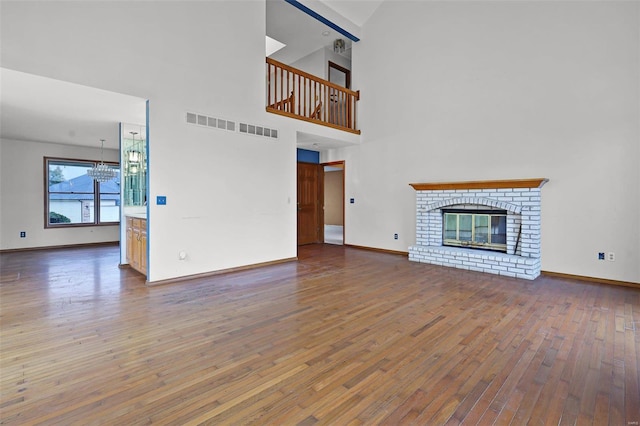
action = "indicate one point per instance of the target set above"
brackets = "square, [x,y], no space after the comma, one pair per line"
[481,230]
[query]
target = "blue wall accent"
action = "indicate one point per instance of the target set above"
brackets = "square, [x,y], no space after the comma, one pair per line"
[307,156]
[322,19]
[121,200]
[146,195]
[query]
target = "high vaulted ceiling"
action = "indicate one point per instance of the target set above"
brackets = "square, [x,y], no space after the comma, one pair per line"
[43,109]
[304,34]
[357,11]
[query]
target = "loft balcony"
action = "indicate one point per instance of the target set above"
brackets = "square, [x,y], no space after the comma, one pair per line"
[294,93]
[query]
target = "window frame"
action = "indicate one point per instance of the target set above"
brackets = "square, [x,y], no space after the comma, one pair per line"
[47,162]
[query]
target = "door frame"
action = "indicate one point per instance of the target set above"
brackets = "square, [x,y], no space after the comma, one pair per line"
[346,71]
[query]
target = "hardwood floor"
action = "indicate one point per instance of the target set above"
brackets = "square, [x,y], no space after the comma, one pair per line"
[342,337]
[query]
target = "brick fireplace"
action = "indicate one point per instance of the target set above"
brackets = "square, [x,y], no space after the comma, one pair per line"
[519,199]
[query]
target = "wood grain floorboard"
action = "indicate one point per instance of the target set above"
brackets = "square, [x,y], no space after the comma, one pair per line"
[340,337]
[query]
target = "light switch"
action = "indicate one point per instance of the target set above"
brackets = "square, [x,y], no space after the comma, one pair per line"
[161,200]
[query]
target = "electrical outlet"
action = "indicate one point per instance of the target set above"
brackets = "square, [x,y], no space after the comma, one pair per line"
[23,234]
[611,256]
[395,236]
[601,255]
[352,200]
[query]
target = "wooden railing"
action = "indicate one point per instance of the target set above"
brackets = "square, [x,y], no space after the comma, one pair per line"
[295,93]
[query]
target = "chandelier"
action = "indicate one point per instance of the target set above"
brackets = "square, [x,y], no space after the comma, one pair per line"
[102,172]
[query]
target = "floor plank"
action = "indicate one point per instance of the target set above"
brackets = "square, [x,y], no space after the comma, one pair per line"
[342,336]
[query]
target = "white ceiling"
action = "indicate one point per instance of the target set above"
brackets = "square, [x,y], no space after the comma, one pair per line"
[319,143]
[357,11]
[304,34]
[43,109]
[300,33]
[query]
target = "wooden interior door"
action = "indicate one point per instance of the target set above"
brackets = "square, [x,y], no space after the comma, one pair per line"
[310,202]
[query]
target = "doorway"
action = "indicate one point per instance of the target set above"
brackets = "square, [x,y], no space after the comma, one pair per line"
[334,202]
[339,75]
[320,204]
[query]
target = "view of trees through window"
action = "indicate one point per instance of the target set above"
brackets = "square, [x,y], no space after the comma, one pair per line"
[73,198]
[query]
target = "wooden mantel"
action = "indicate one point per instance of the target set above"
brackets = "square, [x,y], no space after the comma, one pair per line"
[481,184]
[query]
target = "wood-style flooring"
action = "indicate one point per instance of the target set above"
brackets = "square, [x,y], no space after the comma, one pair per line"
[342,337]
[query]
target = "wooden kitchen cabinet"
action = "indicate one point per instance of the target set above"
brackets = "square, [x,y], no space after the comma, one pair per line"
[137,244]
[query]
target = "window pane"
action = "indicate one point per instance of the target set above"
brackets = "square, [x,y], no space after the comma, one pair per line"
[464,224]
[70,208]
[450,226]
[109,209]
[482,229]
[70,193]
[110,199]
[499,229]
[70,177]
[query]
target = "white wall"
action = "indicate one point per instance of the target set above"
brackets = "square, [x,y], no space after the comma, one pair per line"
[503,90]
[230,197]
[317,62]
[314,63]
[22,196]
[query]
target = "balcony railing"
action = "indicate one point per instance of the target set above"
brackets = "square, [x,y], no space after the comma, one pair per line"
[297,94]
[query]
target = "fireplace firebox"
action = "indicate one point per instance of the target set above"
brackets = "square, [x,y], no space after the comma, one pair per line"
[479,229]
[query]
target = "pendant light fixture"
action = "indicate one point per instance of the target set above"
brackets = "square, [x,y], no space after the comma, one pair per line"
[102,172]
[134,155]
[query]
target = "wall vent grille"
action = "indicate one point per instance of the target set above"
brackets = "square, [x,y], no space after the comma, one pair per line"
[206,121]
[257,130]
[231,126]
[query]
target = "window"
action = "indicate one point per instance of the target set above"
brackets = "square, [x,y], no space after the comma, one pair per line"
[72,198]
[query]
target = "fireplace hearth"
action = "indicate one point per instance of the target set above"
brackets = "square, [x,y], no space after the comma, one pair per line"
[485,226]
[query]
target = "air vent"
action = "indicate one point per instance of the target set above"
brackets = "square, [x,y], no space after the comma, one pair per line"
[212,122]
[257,130]
[231,126]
